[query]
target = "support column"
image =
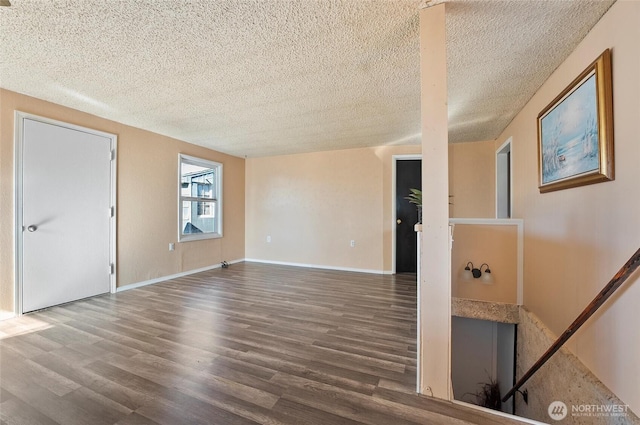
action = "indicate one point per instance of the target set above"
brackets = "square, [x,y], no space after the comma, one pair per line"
[434,291]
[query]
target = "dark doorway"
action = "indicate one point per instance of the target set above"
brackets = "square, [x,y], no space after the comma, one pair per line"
[408,176]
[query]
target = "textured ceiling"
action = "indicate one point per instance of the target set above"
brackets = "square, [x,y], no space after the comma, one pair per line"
[266,77]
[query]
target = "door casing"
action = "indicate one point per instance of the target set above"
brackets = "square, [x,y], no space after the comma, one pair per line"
[18,199]
[504,180]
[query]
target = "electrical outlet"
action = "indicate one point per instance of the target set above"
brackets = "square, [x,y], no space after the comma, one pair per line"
[353,243]
[269,239]
[172,246]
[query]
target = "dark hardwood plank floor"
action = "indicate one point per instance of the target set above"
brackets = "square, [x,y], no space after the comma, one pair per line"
[251,344]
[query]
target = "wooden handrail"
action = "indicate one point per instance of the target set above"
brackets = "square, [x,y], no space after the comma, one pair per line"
[617,280]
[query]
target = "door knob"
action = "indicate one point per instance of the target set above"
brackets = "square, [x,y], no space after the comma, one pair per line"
[32,228]
[398,221]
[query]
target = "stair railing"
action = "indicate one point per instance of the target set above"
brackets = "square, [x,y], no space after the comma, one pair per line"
[617,280]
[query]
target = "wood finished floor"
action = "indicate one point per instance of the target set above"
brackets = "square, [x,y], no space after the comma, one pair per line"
[252,344]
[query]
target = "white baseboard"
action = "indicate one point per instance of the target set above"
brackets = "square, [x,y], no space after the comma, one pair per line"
[173,276]
[317,266]
[251,260]
[4,315]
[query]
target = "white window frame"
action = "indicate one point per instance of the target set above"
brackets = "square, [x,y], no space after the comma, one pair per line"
[217,201]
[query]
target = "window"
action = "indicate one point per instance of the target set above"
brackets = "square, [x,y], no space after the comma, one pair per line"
[200,199]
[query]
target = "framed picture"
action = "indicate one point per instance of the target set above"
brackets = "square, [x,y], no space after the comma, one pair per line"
[575,131]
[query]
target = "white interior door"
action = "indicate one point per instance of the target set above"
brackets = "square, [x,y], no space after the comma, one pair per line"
[66,214]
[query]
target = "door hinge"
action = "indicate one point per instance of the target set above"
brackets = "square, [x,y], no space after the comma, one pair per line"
[112,155]
[112,211]
[112,268]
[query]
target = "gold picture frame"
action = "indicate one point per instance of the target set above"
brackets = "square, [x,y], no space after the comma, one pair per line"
[575,131]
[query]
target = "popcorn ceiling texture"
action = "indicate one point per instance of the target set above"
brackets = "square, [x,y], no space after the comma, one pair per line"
[256,78]
[500,53]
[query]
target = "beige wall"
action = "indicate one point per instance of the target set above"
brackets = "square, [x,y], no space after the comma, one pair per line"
[576,239]
[472,179]
[312,205]
[495,245]
[147,198]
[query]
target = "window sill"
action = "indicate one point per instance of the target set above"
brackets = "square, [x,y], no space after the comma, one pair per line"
[199,237]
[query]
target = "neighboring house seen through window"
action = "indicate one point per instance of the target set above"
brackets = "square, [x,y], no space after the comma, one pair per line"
[200,200]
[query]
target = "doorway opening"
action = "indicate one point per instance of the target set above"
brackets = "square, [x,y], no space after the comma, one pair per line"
[503,180]
[407,174]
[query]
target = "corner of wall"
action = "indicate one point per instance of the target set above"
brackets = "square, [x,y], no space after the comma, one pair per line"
[563,378]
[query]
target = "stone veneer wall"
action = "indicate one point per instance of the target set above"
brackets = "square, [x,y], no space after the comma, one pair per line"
[485,310]
[563,378]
